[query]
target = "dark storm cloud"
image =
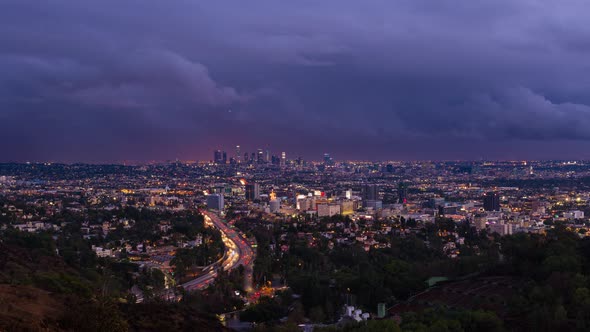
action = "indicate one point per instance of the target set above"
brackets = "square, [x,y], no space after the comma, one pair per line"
[363,79]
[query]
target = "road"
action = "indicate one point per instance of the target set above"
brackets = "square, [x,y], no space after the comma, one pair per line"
[238,252]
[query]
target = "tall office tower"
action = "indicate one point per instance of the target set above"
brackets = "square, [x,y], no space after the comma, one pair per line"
[267,156]
[217,156]
[370,192]
[260,158]
[253,158]
[283,159]
[327,158]
[238,156]
[491,201]
[252,191]
[402,192]
[371,197]
[215,202]
[224,158]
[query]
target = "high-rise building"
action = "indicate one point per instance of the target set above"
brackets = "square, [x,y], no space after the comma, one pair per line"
[224,158]
[491,202]
[371,196]
[238,156]
[275,160]
[217,156]
[267,156]
[246,159]
[370,192]
[252,191]
[283,159]
[327,159]
[215,202]
[260,157]
[402,192]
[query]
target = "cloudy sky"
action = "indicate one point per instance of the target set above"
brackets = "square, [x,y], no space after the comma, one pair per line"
[103,81]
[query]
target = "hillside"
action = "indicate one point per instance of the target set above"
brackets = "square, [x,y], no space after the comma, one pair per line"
[29,309]
[73,291]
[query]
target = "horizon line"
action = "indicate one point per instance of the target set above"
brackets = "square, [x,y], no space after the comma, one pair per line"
[170,161]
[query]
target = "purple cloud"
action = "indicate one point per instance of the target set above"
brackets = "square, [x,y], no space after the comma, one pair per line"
[400,76]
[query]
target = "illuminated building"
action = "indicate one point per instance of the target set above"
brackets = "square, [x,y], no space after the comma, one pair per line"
[502,229]
[348,194]
[346,207]
[328,209]
[402,192]
[260,157]
[275,205]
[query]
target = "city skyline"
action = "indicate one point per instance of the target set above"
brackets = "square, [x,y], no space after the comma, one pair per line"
[373,81]
[313,166]
[230,157]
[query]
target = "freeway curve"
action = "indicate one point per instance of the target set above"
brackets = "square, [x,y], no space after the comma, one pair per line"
[238,252]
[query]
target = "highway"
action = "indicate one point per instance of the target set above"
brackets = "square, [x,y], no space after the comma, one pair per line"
[238,252]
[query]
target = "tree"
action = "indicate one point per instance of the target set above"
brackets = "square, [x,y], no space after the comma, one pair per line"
[96,316]
[297,314]
[317,315]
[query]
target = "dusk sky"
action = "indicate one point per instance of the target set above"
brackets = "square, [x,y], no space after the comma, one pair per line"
[108,81]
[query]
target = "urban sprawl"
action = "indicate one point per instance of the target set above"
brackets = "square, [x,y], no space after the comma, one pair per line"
[263,222]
